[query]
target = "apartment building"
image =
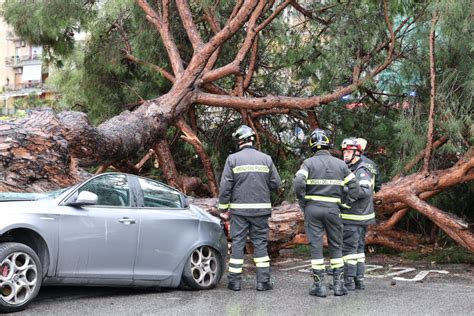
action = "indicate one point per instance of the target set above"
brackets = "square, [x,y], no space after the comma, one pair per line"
[22,72]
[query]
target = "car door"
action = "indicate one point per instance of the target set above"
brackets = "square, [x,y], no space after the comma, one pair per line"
[167,230]
[99,241]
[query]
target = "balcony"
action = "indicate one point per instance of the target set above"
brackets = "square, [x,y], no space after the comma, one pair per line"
[25,88]
[20,61]
[11,36]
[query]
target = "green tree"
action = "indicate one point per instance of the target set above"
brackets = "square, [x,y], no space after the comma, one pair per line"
[151,74]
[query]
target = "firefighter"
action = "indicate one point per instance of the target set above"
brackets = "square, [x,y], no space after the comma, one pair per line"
[377,181]
[319,186]
[247,179]
[357,216]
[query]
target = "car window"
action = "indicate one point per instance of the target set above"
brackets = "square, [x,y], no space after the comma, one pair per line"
[111,189]
[158,195]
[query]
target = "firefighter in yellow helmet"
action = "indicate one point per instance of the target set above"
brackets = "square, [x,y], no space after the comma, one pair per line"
[319,186]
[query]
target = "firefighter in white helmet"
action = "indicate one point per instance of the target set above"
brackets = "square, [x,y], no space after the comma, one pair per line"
[247,179]
[356,216]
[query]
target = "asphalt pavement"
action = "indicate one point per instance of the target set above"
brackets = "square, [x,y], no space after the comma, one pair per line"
[450,293]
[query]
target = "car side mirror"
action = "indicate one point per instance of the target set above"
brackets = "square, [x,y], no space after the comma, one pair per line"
[184,201]
[84,198]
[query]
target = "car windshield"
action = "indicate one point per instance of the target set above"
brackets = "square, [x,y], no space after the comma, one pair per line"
[17,196]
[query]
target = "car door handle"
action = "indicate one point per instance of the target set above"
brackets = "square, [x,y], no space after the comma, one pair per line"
[127,221]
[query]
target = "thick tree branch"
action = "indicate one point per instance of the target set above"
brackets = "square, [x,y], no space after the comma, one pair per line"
[161,24]
[193,118]
[252,62]
[429,136]
[215,27]
[235,65]
[182,88]
[312,120]
[451,225]
[255,114]
[230,28]
[275,13]
[393,220]
[188,23]
[162,150]
[151,153]
[423,186]
[271,102]
[191,138]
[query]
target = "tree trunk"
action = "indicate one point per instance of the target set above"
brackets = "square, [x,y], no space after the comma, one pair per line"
[35,155]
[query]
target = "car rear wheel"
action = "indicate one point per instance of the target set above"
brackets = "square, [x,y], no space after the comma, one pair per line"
[203,269]
[20,276]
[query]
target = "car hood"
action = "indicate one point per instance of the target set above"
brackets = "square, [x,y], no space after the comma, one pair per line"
[25,206]
[203,215]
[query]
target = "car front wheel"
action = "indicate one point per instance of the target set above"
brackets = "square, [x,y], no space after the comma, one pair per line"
[20,276]
[203,269]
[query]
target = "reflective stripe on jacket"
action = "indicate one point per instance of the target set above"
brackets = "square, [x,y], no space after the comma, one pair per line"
[361,212]
[322,178]
[374,169]
[247,180]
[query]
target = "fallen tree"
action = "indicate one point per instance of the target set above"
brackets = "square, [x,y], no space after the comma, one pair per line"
[48,150]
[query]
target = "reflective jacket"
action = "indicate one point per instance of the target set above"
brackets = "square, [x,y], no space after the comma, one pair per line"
[361,211]
[248,177]
[374,169]
[321,180]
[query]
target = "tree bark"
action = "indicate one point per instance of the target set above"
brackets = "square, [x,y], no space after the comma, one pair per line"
[191,138]
[34,155]
[429,134]
[167,164]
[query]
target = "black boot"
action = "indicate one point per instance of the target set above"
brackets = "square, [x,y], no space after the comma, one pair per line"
[235,281]
[349,283]
[319,287]
[359,283]
[359,279]
[263,279]
[338,280]
[264,286]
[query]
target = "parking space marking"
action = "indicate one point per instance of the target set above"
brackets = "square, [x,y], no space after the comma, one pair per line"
[392,272]
[400,270]
[308,264]
[420,276]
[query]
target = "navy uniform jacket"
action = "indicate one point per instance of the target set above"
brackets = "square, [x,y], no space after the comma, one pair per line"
[248,178]
[361,211]
[321,180]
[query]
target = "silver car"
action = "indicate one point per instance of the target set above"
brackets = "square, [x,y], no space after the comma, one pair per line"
[114,229]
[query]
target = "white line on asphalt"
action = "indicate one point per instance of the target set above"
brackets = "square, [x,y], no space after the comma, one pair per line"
[298,267]
[420,276]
